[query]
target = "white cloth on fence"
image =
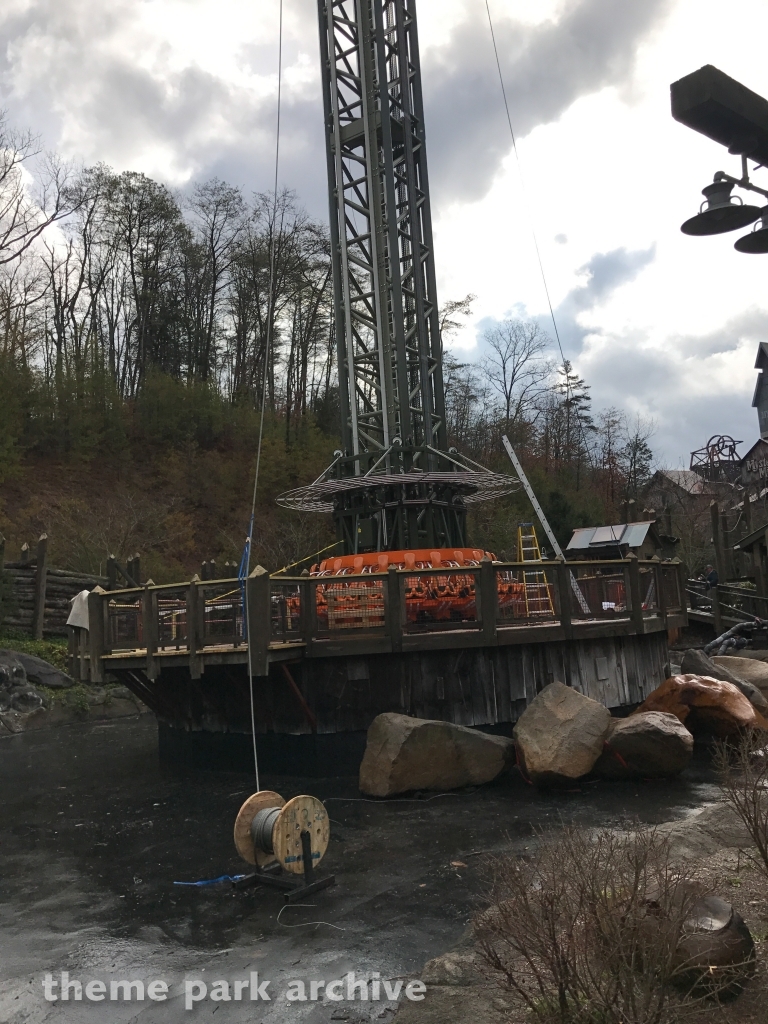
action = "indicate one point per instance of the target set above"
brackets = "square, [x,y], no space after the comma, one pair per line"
[78,616]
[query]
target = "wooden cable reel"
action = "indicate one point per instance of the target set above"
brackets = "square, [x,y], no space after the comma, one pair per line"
[273,834]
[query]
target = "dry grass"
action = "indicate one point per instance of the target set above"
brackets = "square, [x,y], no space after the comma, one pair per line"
[586,932]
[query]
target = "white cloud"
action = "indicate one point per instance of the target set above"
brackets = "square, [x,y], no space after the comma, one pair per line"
[184,89]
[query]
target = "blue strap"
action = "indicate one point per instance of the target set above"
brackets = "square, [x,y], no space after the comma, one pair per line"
[242,572]
[214,881]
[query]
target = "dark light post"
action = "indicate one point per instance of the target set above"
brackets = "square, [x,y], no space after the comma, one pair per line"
[724,110]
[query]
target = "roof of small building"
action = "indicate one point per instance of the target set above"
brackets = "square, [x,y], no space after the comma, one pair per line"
[687,479]
[630,535]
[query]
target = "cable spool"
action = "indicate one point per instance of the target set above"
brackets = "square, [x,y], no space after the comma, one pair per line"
[268,829]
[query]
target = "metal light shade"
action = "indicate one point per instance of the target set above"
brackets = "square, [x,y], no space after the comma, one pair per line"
[757,239]
[720,212]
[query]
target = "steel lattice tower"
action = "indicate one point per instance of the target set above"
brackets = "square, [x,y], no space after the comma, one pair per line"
[381,229]
[395,485]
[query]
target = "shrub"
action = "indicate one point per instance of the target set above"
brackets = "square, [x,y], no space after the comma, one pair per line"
[586,931]
[743,771]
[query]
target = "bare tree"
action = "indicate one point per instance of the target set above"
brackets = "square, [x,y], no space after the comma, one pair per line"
[515,364]
[24,213]
[453,313]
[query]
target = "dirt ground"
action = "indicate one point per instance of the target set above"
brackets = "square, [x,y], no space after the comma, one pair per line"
[460,988]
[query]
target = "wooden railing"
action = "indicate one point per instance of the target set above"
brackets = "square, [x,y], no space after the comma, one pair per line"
[384,611]
[727,603]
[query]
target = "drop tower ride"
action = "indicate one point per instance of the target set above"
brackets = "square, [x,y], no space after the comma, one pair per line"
[396,484]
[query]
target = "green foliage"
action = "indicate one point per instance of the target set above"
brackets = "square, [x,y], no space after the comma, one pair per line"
[173,412]
[52,650]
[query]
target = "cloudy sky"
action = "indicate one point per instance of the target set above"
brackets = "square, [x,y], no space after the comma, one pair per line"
[658,323]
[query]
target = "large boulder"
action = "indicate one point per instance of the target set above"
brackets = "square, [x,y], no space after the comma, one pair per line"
[705,705]
[651,745]
[405,753]
[560,735]
[11,671]
[749,669]
[38,671]
[716,949]
[697,663]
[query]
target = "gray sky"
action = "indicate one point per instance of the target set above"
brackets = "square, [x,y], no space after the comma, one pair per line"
[658,323]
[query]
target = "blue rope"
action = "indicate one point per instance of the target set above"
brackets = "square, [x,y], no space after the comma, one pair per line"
[242,574]
[214,881]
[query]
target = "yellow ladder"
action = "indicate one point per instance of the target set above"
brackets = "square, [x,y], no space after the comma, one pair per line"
[538,598]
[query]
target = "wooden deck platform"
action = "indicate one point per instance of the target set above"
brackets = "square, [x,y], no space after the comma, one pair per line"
[329,653]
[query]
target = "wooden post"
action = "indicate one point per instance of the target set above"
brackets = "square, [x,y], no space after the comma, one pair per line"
[2,552]
[74,667]
[394,610]
[24,553]
[96,633]
[150,627]
[661,593]
[488,599]
[717,540]
[257,594]
[308,609]
[204,574]
[41,573]
[111,573]
[635,597]
[563,573]
[717,615]
[212,570]
[193,596]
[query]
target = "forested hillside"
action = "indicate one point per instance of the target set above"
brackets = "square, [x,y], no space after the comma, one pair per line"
[134,326]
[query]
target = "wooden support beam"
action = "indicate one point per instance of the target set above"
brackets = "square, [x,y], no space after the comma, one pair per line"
[488,599]
[111,573]
[308,713]
[635,596]
[717,614]
[308,609]
[41,575]
[24,553]
[150,628]
[258,621]
[563,574]
[96,633]
[717,541]
[193,597]
[394,610]
[661,593]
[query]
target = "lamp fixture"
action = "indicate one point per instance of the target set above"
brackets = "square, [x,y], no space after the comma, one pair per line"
[757,239]
[720,211]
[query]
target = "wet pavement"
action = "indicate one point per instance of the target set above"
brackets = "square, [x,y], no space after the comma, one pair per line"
[94,832]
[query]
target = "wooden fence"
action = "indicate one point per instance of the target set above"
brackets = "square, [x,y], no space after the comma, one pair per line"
[37,598]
